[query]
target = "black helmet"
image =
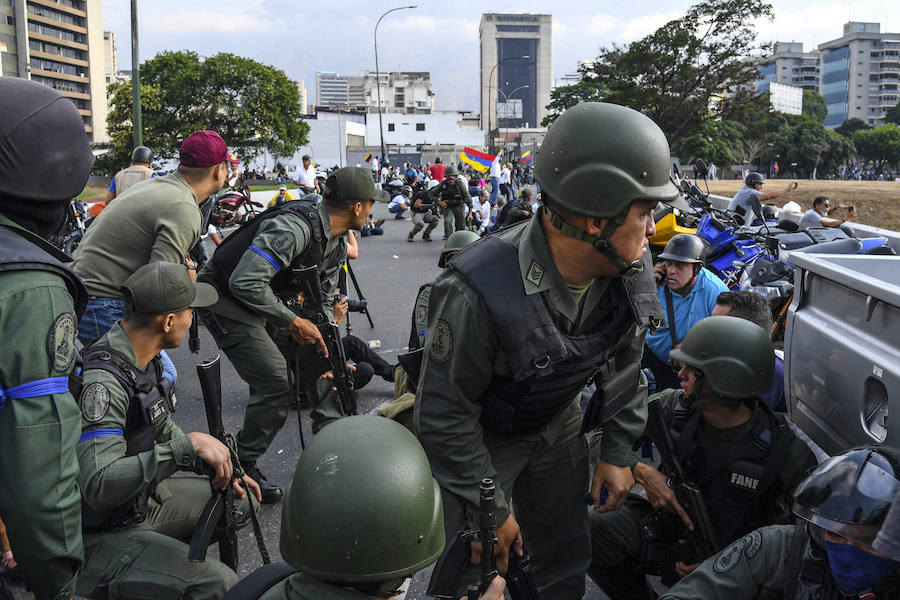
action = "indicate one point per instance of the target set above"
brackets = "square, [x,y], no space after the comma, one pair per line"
[141,154]
[46,154]
[769,211]
[754,179]
[686,248]
[850,493]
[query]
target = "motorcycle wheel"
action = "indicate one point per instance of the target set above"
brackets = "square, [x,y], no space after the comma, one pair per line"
[70,244]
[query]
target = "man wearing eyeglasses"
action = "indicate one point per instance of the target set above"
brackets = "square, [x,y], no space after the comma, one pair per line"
[819,214]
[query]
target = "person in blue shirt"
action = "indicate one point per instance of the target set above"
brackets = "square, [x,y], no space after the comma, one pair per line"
[688,293]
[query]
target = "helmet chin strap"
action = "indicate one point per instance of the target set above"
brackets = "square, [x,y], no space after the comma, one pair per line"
[599,242]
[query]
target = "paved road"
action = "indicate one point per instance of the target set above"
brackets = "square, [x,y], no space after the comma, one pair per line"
[389,271]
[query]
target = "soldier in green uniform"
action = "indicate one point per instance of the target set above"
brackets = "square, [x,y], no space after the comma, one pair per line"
[828,554]
[451,193]
[743,457]
[251,270]
[136,518]
[400,408]
[361,515]
[46,162]
[521,321]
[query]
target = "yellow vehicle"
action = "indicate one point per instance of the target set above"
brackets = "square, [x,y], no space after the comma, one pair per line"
[668,227]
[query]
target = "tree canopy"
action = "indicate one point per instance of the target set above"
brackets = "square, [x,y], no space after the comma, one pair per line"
[881,145]
[814,105]
[254,107]
[893,114]
[851,126]
[671,74]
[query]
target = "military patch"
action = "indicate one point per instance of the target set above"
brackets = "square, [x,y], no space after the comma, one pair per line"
[282,243]
[441,342]
[61,342]
[94,402]
[729,557]
[535,273]
[421,314]
[745,482]
[754,543]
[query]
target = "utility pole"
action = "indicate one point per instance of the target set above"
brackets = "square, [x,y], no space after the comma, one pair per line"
[135,80]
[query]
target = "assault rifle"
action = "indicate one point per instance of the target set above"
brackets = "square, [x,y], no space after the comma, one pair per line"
[218,519]
[701,543]
[307,278]
[451,567]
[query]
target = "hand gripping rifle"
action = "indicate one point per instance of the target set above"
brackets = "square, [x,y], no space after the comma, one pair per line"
[218,519]
[451,567]
[308,280]
[701,543]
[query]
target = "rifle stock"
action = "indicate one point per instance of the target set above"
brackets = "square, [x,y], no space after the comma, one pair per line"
[701,543]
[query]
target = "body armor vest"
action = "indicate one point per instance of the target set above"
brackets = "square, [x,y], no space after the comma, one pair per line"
[128,177]
[450,193]
[549,366]
[24,251]
[809,577]
[230,251]
[735,478]
[150,400]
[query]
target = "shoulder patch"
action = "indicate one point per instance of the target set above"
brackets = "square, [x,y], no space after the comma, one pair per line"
[754,543]
[282,243]
[535,273]
[441,347]
[94,402]
[729,557]
[61,342]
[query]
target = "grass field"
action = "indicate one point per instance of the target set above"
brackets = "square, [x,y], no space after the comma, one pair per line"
[877,202]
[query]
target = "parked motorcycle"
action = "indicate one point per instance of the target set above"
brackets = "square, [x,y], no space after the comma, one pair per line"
[235,205]
[70,234]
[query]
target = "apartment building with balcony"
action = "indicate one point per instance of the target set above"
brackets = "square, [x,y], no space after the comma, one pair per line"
[790,65]
[59,43]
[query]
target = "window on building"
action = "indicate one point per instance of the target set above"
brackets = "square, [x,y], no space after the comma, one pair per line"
[420,126]
[390,127]
[10,20]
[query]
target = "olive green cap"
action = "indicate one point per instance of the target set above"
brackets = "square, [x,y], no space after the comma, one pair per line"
[736,356]
[354,184]
[163,287]
[362,505]
[599,158]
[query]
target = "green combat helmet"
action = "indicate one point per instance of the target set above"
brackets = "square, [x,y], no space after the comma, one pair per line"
[456,242]
[362,506]
[736,356]
[450,171]
[596,160]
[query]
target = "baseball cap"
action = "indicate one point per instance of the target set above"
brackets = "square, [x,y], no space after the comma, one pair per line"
[354,184]
[205,148]
[164,287]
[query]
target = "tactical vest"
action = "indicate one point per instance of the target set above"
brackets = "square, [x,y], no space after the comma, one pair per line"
[808,575]
[151,400]
[128,177]
[549,366]
[450,193]
[25,251]
[230,251]
[426,202]
[736,479]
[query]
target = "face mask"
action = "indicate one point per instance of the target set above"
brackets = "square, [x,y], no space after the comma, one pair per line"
[854,569]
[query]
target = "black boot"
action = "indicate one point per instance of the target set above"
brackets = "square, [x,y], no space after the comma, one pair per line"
[621,582]
[270,493]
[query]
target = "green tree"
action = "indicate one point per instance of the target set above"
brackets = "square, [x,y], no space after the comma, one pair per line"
[814,105]
[893,114]
[801,141]
[879,145]
[851,126]
[671,74]
[840,150]
[719,142]
[254,107]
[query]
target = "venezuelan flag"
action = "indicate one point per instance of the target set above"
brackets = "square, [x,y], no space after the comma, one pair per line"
[480,161]
[527,156]
[368,157]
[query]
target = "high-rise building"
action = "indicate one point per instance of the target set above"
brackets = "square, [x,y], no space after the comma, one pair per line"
[401,91]
[860,74]
[515,89]
[59,43]
[301,88]
[790,65]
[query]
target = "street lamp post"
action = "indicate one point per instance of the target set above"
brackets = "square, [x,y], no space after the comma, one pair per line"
[490,80]
[508,96]
[378,76]
[137,127]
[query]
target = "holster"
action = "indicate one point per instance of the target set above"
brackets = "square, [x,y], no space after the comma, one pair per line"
[611,396]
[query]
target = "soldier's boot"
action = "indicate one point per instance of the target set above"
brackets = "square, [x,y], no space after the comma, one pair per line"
[270,492]
[620,582]
[416,229]
[431,226]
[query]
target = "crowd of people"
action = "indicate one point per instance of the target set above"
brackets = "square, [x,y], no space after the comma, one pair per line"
[502,345]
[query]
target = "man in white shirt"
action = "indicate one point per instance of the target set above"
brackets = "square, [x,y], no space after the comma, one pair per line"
[505,182]
[495,178]
[305,178]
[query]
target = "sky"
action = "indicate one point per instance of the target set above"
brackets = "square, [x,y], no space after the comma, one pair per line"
[301,38]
